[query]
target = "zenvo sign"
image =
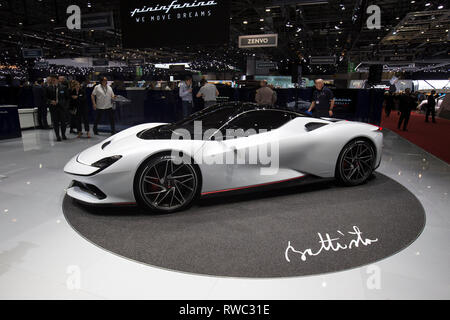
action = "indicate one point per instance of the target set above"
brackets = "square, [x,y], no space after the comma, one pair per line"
[258,41]
[174,5]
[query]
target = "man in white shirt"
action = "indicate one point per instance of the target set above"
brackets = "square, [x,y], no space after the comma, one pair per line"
[102,101]
[208,92]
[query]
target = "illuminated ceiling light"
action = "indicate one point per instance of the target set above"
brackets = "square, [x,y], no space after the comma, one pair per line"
[341,22]
[413,1]
[261,20]
[427,4]
[395,32]
[398,18]
[441,7]
[336,27]
[245,22]
[267,9]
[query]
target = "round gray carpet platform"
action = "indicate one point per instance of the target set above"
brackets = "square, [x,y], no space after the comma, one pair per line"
[303,230]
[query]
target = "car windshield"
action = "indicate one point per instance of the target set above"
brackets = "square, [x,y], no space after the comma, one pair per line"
[215,115]
[210,118]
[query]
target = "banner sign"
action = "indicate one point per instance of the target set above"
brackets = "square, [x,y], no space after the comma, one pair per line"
[92,51]
[401,58]
[147,24]
[32,53]
[41,65]
[177,67]
[322,60]
[100,63]
[266,65]
[136,61]
[97,21]
[258,41]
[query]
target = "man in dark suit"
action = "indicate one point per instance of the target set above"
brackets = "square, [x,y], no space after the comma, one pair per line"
[407,104]
[40,103]
[431,107]
[57,98]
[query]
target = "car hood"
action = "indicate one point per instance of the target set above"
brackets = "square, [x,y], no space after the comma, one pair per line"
[118,144]
[127,143]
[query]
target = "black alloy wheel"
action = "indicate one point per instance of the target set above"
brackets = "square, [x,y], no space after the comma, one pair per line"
[164,185]
[356,163]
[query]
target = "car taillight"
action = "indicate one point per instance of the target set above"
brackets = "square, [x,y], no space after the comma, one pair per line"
[378,127]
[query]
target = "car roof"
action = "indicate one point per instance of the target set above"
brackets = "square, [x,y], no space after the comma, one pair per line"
[242,107]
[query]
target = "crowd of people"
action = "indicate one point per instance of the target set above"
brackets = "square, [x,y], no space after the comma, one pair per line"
[68,105]
[407,102]
[68,102]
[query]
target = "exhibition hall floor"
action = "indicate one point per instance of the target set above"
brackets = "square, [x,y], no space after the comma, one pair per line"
[43,257]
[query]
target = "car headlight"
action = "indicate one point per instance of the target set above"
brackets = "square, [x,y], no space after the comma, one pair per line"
[106,162]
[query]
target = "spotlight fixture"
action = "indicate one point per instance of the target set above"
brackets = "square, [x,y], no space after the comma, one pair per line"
[441,7]
[427,4]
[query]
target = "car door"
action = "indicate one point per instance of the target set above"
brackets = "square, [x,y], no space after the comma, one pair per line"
[244,152]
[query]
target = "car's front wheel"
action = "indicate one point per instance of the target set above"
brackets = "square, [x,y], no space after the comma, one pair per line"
[356,163]
[165,184]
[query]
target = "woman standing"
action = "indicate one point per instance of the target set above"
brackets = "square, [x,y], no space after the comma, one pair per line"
[78,103]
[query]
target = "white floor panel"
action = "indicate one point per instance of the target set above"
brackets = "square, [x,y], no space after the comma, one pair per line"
[42,257]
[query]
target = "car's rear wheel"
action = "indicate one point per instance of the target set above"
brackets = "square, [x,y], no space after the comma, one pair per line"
[356,163]
[165,184]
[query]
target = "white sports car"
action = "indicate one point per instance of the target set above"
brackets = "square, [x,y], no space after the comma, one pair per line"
[230,147]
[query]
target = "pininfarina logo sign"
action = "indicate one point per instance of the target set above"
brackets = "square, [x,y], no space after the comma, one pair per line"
[174,5]
[174,22]
[258,41]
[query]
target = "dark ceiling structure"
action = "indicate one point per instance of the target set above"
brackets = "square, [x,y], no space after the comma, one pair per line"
[415,29]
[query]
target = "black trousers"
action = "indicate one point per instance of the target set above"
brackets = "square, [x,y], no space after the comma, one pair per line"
[73,121]
[110,114]
[42,116]
[431,111]
[82,118]
[388,111]
[404,118]
[59,119]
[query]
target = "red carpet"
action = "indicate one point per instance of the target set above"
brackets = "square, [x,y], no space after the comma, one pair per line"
[432,137]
